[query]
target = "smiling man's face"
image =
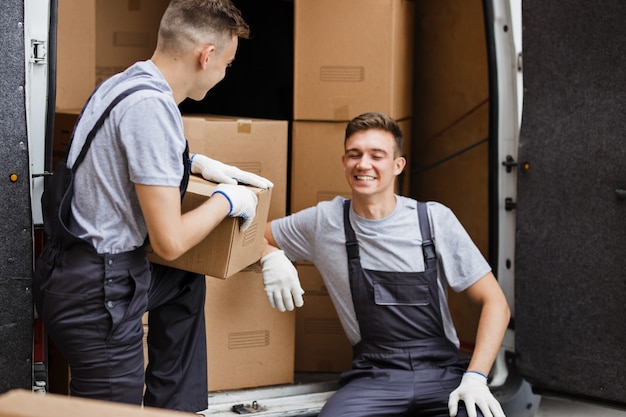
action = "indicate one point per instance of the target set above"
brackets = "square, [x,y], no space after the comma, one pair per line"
[371,162]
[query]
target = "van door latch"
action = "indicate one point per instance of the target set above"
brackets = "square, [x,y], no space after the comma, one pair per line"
[509,204]
[509,163]
[38,51]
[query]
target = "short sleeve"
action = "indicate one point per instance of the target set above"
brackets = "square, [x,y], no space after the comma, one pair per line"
[153,140]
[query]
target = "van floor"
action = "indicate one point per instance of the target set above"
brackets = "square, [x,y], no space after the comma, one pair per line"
[305,397]
[310,390]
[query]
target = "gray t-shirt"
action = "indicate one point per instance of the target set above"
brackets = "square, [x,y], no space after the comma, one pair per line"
[392,243]
[141,142]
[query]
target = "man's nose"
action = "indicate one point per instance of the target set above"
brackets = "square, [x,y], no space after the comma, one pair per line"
[364,163]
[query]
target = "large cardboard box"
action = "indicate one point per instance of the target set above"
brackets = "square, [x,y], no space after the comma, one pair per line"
[22,403]
[99,38]
[226,250]
[259,146]
[316,170]
[249,344]
[351,58]
[321,344]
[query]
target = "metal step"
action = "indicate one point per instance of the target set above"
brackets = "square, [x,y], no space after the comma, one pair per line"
[304,398]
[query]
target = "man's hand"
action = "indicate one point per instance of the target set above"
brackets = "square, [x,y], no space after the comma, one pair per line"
[219,172]
[280,278]
[242,201]
[474,392]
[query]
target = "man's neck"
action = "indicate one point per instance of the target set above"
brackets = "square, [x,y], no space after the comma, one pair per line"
[373,207]
[173,71]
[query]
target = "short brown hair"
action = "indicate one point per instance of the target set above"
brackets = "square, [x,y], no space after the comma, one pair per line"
[187,23]
[378,121]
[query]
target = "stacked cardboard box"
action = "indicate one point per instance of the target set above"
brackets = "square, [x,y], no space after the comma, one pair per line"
[321,344]
[351,59]
[255,145]
[248,343]
[348,60]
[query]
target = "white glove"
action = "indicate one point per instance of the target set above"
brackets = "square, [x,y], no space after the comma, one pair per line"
[474,392]
[219,172]
[280,278]
[242,201]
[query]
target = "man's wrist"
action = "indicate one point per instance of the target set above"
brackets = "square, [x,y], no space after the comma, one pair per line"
[477,373]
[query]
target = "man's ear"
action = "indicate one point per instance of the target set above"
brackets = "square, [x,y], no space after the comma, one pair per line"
[206,53]
[400,163]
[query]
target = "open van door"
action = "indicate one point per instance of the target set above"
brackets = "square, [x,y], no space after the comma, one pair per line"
[24,72]
[560,192]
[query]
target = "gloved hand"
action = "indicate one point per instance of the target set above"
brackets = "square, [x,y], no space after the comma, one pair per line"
[242,201]
[219,172]
[280,278]
[474,392]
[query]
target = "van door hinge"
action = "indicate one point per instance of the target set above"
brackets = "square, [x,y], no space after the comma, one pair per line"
[38,51]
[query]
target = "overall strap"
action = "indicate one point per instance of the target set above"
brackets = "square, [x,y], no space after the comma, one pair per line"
[428,246]
[352,245]
[100,122]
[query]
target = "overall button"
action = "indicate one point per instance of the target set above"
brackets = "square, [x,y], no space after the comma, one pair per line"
[110,282]
[110,304]
[111,262]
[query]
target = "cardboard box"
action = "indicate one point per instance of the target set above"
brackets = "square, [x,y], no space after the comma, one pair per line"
[97,39]
[249,343]
[316,170]
[259,146]
[226,250]
[126,32]
[321,344]
[349,60]
[22,403]
[76,52]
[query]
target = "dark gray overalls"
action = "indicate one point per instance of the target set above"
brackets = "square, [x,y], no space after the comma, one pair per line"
[404,364]
[92,306]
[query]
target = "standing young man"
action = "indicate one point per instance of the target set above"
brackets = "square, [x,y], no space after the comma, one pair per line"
[92,282]
[386,261]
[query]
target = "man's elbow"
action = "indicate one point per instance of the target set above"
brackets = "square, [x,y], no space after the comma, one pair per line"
[506,310]
[169,251]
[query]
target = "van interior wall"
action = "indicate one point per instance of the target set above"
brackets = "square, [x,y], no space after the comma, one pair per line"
[451,123]
[16,259]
